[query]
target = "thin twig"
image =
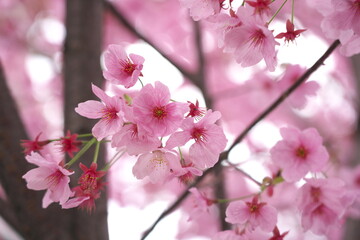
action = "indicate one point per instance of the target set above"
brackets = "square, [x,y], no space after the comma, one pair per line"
[225,154]
[243,172]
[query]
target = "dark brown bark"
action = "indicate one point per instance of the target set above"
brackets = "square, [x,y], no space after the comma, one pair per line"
[22,209]
[81,68]
[352,230]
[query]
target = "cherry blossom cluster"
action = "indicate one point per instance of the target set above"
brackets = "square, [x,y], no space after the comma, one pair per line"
[246,31]
[321,201]
[170,139]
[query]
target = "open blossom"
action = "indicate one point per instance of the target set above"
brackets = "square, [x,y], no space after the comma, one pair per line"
[158,166]
[209,139]
[109,112]
[322,203]
[201,203]
[299,152]
[251,42]
[290,33]
[201,9]
[187,173]
[154,112]
[121,69]
[135,140]
[88,190]
[254,213]
[48,176]
[298,98]
[341,21]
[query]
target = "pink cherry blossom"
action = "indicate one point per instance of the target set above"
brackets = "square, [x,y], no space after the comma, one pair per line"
[251,42]
[254,213]
[201,9]
[209,139]
[135,140]
[187,173]
[345,15]
[229,235]
[157,166]
[48,176]
[109,112]
[299,152]
[154,112]
[319,219]
[341,21]
[201,203]
[322,203]
[298,98]
[121,69]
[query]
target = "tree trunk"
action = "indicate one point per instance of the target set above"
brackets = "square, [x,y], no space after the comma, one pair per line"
[81,68]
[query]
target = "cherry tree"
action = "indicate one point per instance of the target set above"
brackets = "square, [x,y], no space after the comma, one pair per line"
[243,118]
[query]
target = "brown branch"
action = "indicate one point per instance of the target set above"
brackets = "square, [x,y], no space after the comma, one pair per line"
[264,114]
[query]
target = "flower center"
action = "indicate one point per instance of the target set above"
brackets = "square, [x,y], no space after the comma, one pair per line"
[88,181]
[198,134]
[301,152]
[257,38]
[127,66]
[109,114]
[159,112]
[315,192]
[54,179]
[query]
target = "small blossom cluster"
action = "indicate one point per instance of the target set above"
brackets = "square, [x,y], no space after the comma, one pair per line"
[321,202]
[244,31]
[137,126]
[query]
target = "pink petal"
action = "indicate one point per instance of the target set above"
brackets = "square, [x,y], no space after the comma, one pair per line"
[74,202]
[90,109]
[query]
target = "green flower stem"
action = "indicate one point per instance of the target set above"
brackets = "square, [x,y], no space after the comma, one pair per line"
[236,199]
[276,13]
[116,157]
[81,152]
[292,11]
[142,84]
[85,135]
[274,182]
[79,136]
[96,153]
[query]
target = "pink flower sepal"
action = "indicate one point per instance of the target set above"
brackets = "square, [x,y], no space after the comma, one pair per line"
[290,33]
[69,144]
[35,145]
